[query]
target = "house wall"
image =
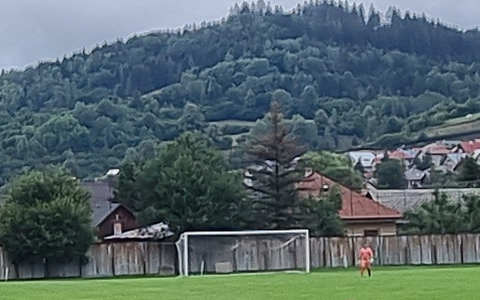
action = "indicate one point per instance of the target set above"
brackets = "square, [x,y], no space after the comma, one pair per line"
[127,218]
[403,200]
[384,229]
[437,159]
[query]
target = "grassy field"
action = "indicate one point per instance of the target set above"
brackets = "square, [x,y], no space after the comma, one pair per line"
[234,123]
[397,283]
[461,120]
[456,126]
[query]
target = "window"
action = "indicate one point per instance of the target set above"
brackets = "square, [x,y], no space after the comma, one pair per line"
[370,232]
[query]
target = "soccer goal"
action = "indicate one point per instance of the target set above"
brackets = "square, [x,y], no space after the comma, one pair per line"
[226,252]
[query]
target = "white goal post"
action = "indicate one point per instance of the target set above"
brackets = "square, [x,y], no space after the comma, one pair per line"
[223,252]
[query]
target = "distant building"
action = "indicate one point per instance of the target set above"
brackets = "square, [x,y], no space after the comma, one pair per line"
[416,178]
[108,217]
[468,147]
[438,151]
[407,156]
[406,199]
[451,162]
[365,158]
[362,216]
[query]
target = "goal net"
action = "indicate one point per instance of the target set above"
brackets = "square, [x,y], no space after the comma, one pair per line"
[226,252]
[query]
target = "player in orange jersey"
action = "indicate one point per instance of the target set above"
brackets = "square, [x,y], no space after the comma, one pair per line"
[366,256]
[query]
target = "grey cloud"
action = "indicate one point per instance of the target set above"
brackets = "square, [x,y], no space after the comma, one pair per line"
[32,30]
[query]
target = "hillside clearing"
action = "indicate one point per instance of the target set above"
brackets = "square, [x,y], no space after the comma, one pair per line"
[454,127]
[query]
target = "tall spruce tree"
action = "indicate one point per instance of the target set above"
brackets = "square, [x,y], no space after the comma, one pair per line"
[274,174]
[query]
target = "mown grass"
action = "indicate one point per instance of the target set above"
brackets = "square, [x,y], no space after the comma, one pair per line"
[391,283]
[234,123]
[461,120]
[454,129]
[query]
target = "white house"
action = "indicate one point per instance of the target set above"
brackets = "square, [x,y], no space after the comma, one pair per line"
[365,158]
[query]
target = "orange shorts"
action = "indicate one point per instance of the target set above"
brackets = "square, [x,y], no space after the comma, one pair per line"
[364,263]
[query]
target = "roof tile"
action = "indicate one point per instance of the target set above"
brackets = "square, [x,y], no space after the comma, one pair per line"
[470,146]
[354,206]
[101,199]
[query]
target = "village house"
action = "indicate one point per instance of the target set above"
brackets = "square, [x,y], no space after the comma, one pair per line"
[109,218]
[362,216]
[378,160]
[451,162]
[476,155]
[468,147]
[407,156]
[368,160]
[438,151]
[365,158]
[415,177]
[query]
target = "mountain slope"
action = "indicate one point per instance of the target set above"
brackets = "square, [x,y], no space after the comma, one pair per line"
[359,81]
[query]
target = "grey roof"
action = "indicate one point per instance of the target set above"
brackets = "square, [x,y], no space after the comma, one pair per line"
[365,158]
[156,232]
[415,174]
[456,157]
[102,197]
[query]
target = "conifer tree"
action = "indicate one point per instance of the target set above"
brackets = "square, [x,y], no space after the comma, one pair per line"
[275,174]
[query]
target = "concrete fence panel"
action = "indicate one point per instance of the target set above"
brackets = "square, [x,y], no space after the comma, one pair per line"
[415,250]
[317,252]
[3,264]
[69,270]
[426,251]
[254,254]
[100,261]
[392,251]
[471,248]
[128,259]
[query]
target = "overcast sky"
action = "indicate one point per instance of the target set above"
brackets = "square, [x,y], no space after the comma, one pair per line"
[38,30]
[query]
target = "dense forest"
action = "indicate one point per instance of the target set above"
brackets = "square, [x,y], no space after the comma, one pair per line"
[344,78]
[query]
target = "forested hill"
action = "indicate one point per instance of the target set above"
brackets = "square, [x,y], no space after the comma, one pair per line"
[348,78]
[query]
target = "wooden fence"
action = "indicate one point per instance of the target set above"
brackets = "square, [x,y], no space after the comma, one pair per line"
[153,258]
[398,250]
[104,260]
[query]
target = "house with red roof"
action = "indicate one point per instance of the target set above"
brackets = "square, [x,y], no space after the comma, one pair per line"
[407,156]
[438,151]
[468,147]
[362,216]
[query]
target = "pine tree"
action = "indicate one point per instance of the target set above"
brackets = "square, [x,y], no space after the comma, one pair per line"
[275,174]
[469,172]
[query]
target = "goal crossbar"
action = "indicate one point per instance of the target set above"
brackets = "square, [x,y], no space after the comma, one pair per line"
[184,236]
[246,232]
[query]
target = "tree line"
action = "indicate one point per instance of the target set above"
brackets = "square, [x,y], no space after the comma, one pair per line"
[344,77]
[188,183]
